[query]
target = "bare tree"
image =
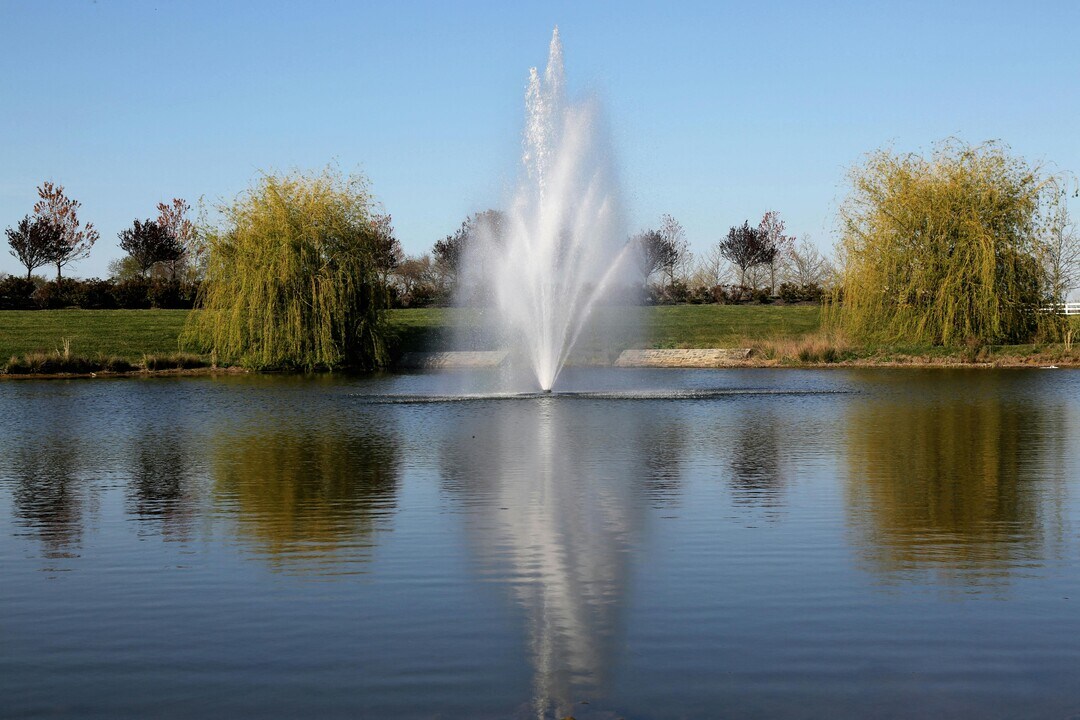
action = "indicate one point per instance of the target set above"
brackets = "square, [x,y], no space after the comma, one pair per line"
[772,233]
[677,258]
[805,265]
[417,280]
[173,218]
[712,269]
[35,242]
[61,210]
[1061,252]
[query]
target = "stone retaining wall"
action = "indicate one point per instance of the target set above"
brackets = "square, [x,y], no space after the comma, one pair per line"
[704,358]
[707,358]
[454,359]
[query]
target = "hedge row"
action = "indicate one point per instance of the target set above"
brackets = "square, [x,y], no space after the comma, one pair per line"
[17,293]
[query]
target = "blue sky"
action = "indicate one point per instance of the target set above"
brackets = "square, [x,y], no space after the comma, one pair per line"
[719,111]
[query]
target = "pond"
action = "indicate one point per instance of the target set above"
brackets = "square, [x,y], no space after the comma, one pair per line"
[744,543]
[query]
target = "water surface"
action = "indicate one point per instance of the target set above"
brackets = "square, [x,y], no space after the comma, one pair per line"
[650,544]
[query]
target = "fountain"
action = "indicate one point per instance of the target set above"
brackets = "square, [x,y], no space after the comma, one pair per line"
[562,245]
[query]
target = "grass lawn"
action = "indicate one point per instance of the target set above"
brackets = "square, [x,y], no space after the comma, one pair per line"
[131,334]
[709,326]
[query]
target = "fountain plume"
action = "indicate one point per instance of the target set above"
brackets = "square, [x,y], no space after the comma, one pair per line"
[561,248]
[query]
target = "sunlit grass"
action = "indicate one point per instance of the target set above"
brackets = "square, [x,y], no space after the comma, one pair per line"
[782,334]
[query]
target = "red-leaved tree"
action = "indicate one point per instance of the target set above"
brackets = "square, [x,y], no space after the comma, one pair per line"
[75,239]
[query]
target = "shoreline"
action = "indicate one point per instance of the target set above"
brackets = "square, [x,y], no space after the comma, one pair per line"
[899,362]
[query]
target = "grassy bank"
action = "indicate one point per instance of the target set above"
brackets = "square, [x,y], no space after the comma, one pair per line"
[781,335]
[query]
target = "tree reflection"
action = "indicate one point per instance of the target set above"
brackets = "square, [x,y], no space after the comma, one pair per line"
[308,501]
[48,498]
[160,491]
[952,486]
[661,446]
[757,473]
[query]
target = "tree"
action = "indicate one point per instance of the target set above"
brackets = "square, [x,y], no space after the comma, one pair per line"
[448,253]
[62,211]
[173,218]
[1061,251]
[149,243]
[805,265]
[35,242]
[777,243]
[417,280]
[292,278]
[677,256]
[944,248]
[653,253]
[746,247]
[712,269]
[388,252]
[124,268]
[452,252]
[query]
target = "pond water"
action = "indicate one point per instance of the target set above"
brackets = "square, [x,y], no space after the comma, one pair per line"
[744,543]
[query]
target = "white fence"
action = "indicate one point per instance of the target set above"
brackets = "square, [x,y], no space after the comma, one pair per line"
[1069,308]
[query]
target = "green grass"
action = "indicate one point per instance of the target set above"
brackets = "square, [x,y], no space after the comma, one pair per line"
[133,335]
[708,326]
[127,334]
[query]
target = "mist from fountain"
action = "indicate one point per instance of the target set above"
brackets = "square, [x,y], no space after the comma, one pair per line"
[561,248]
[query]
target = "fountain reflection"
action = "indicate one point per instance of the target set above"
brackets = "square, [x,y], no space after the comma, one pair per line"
[554,505]
[966,491]
[308,501]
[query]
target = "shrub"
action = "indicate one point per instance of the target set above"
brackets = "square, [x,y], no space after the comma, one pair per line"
[792,293]
[789,293]
[423,295]
[58,294]
[701,295]
[116,364]
[166,294]
[16,293]
[93,294]
[678,292]
[132,294]
[739,293]
[50,363]
[174,361]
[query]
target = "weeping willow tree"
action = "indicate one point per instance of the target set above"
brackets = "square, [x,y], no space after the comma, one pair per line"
[943,249]
[291,278]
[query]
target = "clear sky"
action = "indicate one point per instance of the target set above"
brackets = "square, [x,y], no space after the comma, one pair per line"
[720,110]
